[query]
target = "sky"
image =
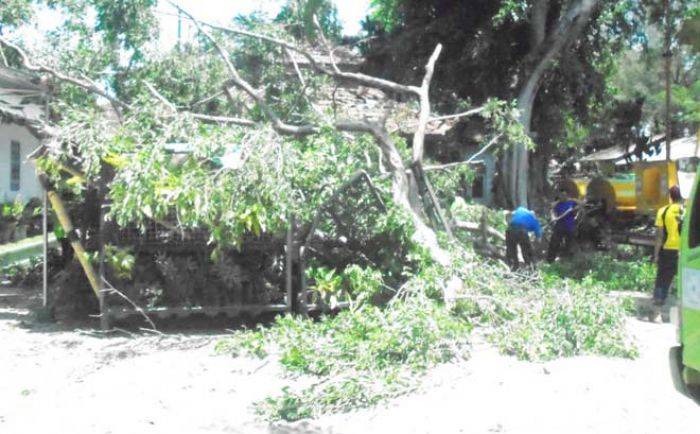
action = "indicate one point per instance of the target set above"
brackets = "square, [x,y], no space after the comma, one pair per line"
[350,12]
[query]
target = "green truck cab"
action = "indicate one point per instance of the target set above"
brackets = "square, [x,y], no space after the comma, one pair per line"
[687,314]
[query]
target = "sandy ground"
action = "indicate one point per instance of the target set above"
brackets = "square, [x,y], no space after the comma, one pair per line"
[54,379]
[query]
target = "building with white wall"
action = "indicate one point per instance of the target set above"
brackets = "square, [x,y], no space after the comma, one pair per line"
[21,109]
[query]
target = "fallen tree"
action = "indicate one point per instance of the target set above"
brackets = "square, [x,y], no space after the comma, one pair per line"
[72,149]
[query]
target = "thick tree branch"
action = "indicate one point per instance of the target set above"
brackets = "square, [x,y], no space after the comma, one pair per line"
[567,30]
[424,116]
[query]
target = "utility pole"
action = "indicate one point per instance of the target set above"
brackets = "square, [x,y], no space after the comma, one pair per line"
[667,66]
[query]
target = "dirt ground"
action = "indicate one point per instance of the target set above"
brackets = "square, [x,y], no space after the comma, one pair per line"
[66,380]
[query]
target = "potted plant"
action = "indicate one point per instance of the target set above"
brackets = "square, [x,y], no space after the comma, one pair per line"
[13,225]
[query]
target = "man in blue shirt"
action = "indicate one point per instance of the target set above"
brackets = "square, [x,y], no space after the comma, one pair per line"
[564,215]
[522,221]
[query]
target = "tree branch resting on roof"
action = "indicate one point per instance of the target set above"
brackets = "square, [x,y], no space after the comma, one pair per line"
[84,83]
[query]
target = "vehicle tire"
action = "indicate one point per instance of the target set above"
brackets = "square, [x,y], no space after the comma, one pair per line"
[675,361]
[691,380]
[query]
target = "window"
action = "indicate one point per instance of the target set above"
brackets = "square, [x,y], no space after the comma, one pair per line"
[15,162]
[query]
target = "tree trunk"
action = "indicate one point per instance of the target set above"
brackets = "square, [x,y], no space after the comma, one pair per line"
[566,31]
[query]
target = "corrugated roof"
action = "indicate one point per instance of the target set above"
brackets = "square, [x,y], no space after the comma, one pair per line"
[684,147]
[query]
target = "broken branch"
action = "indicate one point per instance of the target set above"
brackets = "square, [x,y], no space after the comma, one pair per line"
[424,116]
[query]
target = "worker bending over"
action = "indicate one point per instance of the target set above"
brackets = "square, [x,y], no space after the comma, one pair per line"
[521,222]
[564,217]
[668,241]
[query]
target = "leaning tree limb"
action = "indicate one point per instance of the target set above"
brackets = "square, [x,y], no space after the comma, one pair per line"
[424,116]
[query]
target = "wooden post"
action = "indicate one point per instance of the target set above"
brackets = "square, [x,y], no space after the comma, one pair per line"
[45,232]
[64,220]
[289,276]
[45,225]
[303,293]
[104,310]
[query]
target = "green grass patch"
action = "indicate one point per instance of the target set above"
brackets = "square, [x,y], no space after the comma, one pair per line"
[23,250]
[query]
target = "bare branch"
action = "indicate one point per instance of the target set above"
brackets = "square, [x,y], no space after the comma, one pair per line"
[470,160]
[222,119]
[424,116]
[208,99]
[4,58]
[136,307]
[324,40]
[468,113]
[476,227]
[160,97]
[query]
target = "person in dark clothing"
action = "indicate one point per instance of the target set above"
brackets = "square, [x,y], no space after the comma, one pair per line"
[668,242]
[522,222]
[564,214]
